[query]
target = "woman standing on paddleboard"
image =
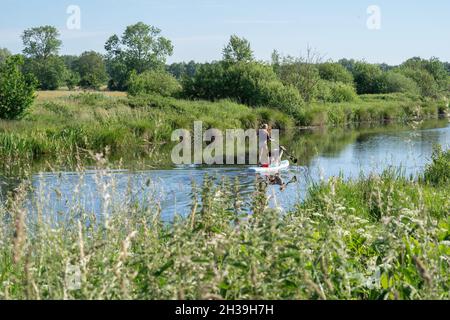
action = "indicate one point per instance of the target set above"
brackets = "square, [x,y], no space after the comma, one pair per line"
[264,138]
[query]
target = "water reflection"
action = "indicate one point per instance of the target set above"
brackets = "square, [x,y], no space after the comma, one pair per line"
[322,154]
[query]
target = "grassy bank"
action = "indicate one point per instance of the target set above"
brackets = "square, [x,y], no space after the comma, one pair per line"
[380,108]
[378,237]
[62,126]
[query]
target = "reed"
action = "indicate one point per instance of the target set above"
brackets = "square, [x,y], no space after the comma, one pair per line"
[376,237]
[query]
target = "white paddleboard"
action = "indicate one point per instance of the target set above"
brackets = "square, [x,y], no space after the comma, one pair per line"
[272,169]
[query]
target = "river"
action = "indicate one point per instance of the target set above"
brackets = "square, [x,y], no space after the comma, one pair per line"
[322,153]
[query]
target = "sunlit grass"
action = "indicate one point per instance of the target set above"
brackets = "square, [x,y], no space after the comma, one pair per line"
[377,237]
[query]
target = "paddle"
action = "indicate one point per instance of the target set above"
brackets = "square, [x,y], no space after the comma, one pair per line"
[294,159]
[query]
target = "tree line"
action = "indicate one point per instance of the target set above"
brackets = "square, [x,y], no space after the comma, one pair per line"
[136,62]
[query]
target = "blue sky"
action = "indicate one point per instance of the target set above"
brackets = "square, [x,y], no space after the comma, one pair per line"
[200,28]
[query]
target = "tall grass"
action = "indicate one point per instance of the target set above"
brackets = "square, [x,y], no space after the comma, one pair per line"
[378,237]
[372,108]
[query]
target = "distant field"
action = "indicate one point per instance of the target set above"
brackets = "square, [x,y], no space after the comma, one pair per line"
[41,95]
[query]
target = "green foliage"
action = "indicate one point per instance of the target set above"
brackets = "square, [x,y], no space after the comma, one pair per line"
[72,79]
[51,72]
[336,92]
[41,47]
[381,237]
[253,84]
[424,80]
[41,42]
[237,50]
[141,48]
[368,78]
[303,75]
[92,71]
[335,72]
[208,83]
[438,172]
[4,54]
[394,81]
[430,75]
[181,70]
[16,89]
[154,82]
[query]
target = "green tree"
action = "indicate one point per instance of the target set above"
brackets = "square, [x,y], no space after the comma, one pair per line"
[348,64]
[368,78]
[209,82]
[92,70]
[4,54]
[140,48]
[16,89]
[41,42]
[416,68]
[181,70]
[303,76]
[424,80]
[41,47]
[250,83]
[51,72]
[275,61]
[237,50]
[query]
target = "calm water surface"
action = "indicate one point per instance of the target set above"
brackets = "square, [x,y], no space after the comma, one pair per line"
[322,155]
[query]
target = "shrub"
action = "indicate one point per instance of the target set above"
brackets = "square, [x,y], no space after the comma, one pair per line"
[335,72]
[250,83]
[284,98]
[336,92]
[368,78]
[396,82]
[304,76]
[255,84]
[16,89]
[72,80]
[438,172]
[153,82]
[424,80]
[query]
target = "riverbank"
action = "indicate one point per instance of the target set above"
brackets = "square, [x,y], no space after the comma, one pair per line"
[64,127]
[377,237]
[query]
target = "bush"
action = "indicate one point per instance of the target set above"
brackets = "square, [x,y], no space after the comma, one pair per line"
[424,80]
[304,76]
[368,78]
[335,72]
[284,98]
[16,89]
[396,82]
[336,92]
[72,80]
[153,82]
[255,84]
[250,83]
[438,172]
